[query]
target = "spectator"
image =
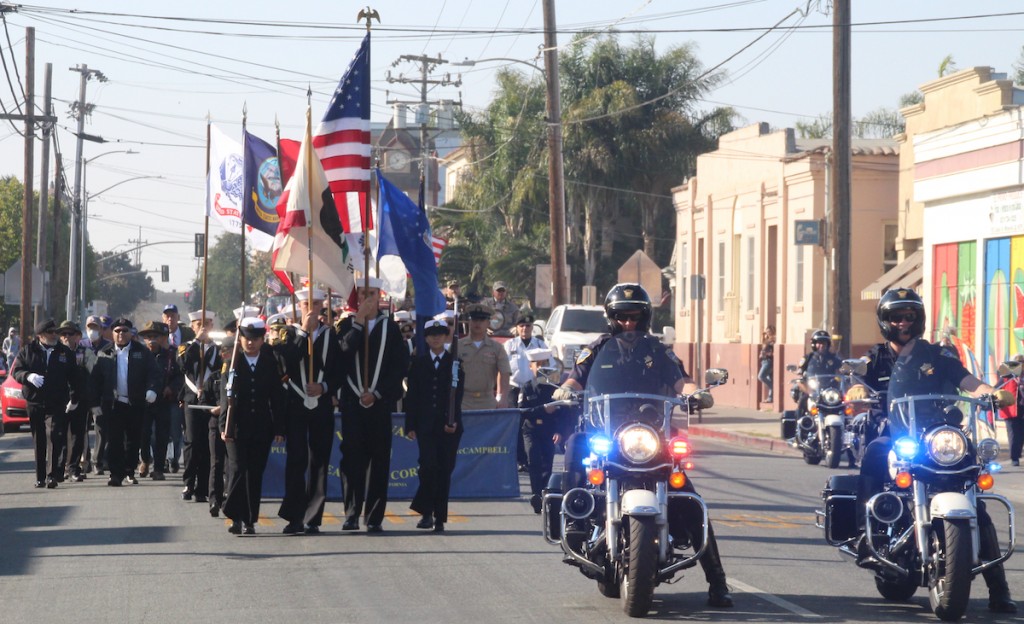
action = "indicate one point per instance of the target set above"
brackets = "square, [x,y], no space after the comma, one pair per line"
[505,312]
[766,359]
[11,346]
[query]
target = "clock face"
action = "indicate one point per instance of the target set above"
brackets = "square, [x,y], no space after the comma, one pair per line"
[398,160]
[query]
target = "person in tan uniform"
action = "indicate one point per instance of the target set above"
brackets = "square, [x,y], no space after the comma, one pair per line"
[485,363]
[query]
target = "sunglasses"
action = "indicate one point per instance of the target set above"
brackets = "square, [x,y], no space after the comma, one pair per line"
[908,317]
[626,317]
[122,330]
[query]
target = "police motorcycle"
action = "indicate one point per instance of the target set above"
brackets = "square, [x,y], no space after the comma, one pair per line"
[615,528]
[819,430]
[922,530]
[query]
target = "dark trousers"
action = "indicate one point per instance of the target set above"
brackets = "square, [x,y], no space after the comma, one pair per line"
[124,431]
[366,460]
[246,459]
[196,453]
[438,452]
[78,435]
[522,455]
[1015,432]
[49,430]
[540,449]
[308,446]
[156,428]
[218,456]
[177,431]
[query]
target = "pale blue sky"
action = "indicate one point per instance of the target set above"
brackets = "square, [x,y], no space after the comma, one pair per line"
[167,74]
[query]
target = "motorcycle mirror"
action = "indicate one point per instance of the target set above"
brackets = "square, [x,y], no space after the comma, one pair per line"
[715,376]
[1010,367]
[856,366]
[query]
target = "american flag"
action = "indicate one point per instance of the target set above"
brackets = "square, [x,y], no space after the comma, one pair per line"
[342,142]
[438,244]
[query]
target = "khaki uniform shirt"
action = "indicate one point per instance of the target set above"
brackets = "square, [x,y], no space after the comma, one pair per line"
[481,365]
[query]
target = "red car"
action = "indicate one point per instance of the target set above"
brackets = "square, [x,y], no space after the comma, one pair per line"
[12,404]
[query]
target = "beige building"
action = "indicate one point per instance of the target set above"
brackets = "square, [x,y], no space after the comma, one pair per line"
[737,224]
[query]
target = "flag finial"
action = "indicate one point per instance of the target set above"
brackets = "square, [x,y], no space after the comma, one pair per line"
[369,15]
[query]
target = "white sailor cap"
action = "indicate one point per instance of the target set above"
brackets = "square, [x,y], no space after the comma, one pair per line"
[402,316]
[538,355]
[303,295]
[373,282]
[246,311]
[252,327]
[448,316]
[198,314]
[277,319]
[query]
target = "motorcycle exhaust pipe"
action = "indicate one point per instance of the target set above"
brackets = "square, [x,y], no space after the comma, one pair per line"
[578,504]
[806,423]
[886,507]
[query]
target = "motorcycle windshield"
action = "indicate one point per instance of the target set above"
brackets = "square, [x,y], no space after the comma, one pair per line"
[626,364]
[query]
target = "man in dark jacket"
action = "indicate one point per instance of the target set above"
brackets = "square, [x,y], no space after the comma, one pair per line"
[253,407]
[51,385]
[125,379]
[376,361]
[310,423]
[199,360]
[157,426]
[78,418]
[435,422]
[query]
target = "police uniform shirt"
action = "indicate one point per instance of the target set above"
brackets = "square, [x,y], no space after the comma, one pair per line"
[482,364]
[516,352]
[664,369]
[921,368]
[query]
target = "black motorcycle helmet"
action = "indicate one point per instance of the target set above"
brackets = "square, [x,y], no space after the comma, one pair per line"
[627,298]
[900,300]
[821,337]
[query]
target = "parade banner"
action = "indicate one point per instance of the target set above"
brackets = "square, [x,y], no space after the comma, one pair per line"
[486,466]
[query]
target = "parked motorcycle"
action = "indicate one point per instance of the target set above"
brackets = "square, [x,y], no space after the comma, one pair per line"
[922,529]
[818,429]
[615,527]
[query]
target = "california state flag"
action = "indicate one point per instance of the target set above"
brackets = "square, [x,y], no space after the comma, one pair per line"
[311,223]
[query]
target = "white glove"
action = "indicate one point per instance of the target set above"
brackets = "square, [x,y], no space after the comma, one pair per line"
[562,394]
[97,412]
[150,396]
[36,379]
[70,407]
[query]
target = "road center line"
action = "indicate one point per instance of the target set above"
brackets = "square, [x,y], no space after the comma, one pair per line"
[775,600]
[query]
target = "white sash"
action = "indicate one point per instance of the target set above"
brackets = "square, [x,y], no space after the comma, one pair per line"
[356,384]
[310,402]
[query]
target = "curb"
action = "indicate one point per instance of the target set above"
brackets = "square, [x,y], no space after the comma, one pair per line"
[741,439]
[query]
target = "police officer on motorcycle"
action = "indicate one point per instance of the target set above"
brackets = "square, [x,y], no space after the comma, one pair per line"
[628,310]
[906,357]
[820,360]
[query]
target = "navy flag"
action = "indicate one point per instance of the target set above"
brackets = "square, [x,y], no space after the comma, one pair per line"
[262,185]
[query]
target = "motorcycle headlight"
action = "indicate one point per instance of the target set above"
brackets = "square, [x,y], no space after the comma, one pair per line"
[988,450]
[639,443]
[946,446]
[905,448]
[813,384]
[831,396]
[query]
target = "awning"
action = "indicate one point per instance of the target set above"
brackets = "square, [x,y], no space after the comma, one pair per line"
[907,274]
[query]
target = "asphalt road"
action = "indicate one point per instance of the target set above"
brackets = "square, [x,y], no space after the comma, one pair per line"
[89,553]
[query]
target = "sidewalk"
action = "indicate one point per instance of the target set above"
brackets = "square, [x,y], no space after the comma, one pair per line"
[761,429]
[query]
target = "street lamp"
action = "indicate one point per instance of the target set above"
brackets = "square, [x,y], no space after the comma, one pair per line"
[78,238]
[556,186]
[85,230]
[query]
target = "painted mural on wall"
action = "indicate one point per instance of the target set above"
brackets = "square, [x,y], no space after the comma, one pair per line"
[955,306]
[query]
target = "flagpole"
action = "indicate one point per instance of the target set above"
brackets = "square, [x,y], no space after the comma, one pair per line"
[206,258]
[368,14]
[291,276]
[309,221]
[245,114]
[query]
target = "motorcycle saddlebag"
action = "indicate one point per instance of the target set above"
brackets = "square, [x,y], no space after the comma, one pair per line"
[840,499]
[788,424]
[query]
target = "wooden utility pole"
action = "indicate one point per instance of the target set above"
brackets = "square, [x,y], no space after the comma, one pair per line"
[839,223]
[42,310]
[556,189]
[26,211]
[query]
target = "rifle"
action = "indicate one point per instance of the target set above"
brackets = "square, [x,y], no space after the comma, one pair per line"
[453,395]
[230,389]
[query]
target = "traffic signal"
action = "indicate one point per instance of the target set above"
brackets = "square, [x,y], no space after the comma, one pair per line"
[200,250]
[165,273]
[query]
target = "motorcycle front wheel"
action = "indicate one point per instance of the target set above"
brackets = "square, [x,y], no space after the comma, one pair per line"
[833,446]
[949,579]
[641,558]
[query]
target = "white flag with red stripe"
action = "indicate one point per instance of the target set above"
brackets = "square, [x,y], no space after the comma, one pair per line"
[310,222]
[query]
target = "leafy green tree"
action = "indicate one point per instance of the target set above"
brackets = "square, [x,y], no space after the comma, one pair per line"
[120,282]
[224,277]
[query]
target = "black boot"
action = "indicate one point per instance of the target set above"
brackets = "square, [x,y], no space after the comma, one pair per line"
[995,577]
[714,573]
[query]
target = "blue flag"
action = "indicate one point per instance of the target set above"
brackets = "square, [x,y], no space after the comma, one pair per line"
[262,185]
[405,232]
